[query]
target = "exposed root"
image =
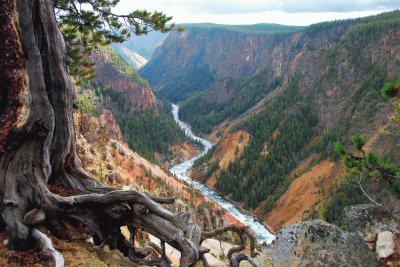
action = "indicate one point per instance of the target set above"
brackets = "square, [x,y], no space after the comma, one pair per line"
[234,254]
[159,262]
[160,250]
[102,214]
[204,260]
[239,257]
[47,248]
[118,196]
[34,217]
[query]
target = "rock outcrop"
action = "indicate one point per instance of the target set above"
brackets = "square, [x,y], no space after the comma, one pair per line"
[318,243]
[379,230]
[107,120]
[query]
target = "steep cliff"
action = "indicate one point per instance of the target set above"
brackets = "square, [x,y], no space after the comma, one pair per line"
[115,75]
[135,60]
[192,60]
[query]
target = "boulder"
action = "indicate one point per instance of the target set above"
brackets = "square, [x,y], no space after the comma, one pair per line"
[318,243]
[385,244]
[378,228]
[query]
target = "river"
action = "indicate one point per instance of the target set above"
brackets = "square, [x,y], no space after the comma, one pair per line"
[181,171]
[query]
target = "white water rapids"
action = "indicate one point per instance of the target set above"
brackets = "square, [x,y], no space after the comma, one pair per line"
[181,171]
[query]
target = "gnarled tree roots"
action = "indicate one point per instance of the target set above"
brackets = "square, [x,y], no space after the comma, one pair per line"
[101,215]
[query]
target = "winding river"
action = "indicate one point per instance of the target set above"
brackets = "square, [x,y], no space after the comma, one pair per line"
[181,171]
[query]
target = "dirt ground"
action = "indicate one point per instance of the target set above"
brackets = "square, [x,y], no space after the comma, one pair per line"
[231,146]
[303,193]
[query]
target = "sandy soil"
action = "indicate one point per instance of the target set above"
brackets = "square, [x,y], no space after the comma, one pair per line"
[304,192]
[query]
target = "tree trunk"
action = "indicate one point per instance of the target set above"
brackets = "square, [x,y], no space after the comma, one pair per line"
[37,148]
[37,145]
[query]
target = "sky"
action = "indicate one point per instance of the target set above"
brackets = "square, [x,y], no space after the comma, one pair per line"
[287,12]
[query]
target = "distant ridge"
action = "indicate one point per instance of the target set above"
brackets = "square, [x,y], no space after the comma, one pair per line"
[253,28]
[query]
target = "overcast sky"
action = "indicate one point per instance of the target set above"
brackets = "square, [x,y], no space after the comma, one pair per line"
[289,12]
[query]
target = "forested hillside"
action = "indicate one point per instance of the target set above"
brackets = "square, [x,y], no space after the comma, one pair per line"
[300,92]
[147,125]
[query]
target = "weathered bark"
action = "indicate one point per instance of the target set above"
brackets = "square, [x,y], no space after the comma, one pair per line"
[239,257]
[37,148]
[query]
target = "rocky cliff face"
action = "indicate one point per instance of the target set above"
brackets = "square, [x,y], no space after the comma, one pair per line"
[322,54]
[235,53]
[139,96]
[215,52]
[135,60]
[107,121]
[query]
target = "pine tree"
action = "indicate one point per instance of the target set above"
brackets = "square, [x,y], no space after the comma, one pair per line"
[90,24]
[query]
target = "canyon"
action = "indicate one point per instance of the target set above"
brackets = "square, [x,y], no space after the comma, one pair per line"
[293,91]
[228,135]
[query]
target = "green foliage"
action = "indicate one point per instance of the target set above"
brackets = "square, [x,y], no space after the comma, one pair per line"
[203,115]
[148,134]
[80,67]
[343,195]
[204,159]
[358,141]
[362,171]
[389,89]
[144,131]
[88,103]
[371,28]
[106,96]
[89,24]
[193,78]
[324,146]
[396,186]
[339,148]
[114,145]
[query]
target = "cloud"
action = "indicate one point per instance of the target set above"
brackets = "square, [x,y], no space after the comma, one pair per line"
[290,12]
[290,6]
[339,5]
